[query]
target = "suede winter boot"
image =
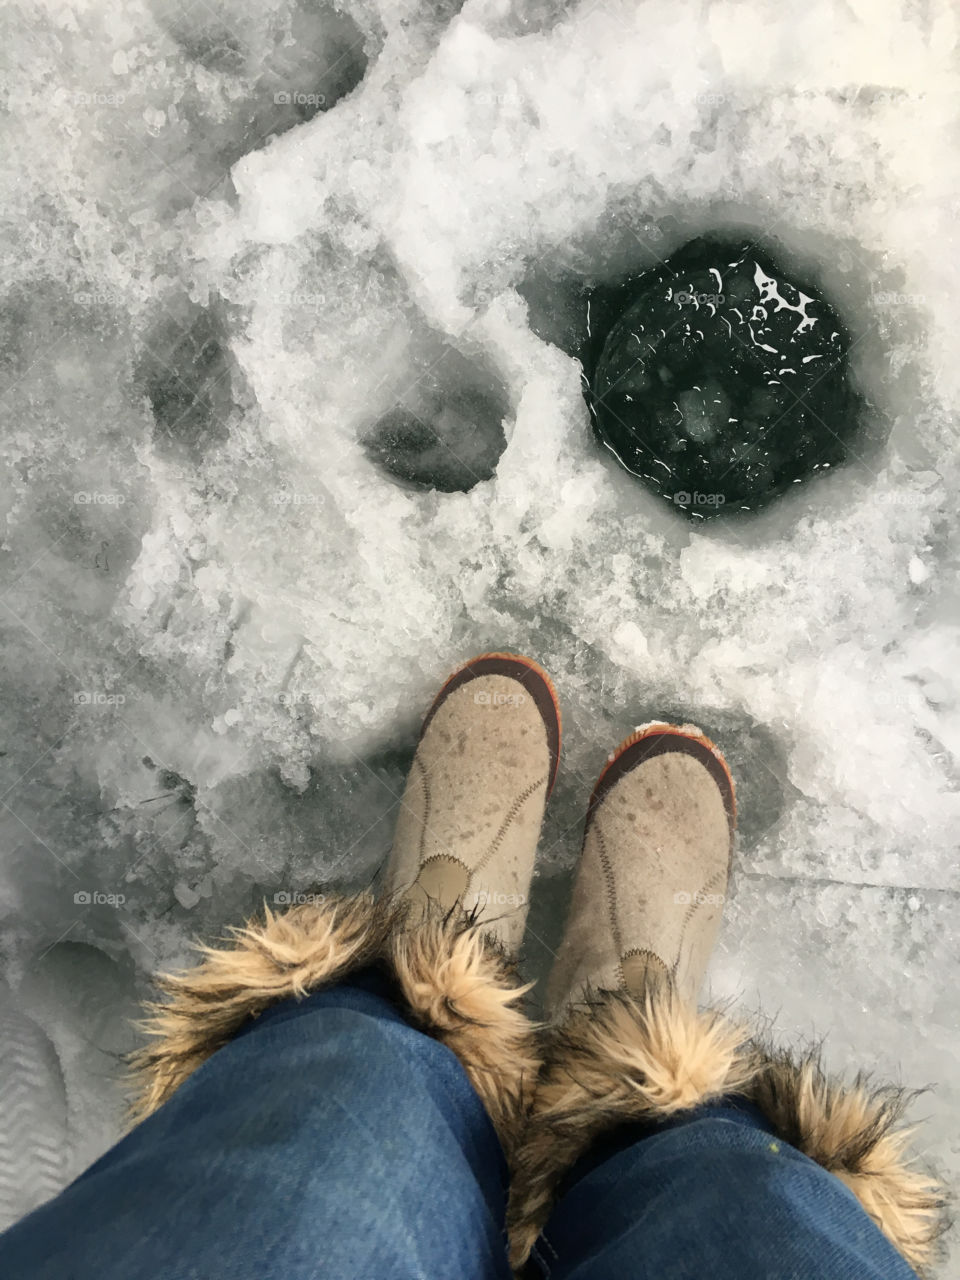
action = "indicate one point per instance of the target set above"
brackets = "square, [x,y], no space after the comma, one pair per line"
[466,837]
[470,817]
[653,871]
[628,1042]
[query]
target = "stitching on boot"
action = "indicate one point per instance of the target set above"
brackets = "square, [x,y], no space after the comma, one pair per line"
[611,891]
[445,857]
[718,877]
[514,809]
[648,955]
[427,805]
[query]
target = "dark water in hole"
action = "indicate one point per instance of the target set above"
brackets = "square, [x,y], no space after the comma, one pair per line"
[718,378]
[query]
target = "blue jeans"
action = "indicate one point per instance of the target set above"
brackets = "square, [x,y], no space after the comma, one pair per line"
[332,1139]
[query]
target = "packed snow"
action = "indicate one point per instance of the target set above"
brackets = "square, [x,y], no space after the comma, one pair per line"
[248,247]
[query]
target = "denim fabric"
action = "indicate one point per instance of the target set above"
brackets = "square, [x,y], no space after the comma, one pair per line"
[330,1139]
[713,1195]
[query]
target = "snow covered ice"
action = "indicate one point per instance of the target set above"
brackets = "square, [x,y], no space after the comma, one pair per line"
[239,240]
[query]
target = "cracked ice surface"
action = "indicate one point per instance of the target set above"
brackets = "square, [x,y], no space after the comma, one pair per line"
[237,238]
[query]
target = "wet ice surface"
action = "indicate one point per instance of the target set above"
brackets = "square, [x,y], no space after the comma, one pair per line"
[263,265]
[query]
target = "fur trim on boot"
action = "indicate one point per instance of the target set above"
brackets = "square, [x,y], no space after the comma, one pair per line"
[623,1058]
[454,981]
[855,1131]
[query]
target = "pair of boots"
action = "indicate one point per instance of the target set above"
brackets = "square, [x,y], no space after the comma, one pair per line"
[653,871]
[625,1040]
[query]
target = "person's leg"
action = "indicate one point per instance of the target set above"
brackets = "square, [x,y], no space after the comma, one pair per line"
[806,1192]
[329,1138]
[715,1194]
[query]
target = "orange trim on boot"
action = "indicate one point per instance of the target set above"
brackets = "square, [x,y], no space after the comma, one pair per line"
[661,729]
[466,672]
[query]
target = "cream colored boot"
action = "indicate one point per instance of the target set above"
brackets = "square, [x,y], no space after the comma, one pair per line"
[470,817]
[636,1048]
[653,872]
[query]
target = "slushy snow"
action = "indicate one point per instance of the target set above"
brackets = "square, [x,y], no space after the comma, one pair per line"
[237,237]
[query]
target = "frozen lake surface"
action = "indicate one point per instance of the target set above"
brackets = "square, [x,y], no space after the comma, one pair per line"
[267,268]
